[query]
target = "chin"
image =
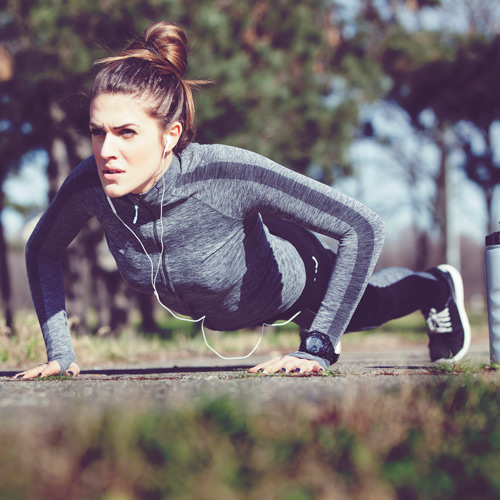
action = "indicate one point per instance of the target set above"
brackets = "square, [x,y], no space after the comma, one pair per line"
[114,191]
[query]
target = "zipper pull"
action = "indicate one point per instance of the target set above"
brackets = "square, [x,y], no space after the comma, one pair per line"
[136,213]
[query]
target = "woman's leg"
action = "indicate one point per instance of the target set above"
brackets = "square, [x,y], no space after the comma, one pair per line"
[438,293]
[395,292]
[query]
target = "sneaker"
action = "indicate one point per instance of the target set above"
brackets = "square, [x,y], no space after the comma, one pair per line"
[449,329]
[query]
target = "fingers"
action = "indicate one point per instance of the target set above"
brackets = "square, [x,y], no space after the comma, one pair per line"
[287,364]
[46,370]
[33,373]
[259,368]
[73,370]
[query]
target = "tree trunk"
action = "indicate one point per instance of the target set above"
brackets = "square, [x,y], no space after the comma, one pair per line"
[5,288]
[145,303]
[422,250]
[440,205]
[110,295]
[493,220]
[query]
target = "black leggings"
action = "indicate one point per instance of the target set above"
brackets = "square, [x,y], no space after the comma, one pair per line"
[391,293]
[395,292]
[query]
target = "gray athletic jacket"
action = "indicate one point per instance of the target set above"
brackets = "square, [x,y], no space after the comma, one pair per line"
[220,260]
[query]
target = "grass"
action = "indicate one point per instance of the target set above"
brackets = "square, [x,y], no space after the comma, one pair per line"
[410,329]
[460,367]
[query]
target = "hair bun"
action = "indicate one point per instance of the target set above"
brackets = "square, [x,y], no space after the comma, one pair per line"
[168,42]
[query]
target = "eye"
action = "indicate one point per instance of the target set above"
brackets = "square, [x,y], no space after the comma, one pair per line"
[96,131]
[127,133]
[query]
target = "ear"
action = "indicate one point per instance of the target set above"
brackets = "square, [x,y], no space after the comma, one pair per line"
[172,136]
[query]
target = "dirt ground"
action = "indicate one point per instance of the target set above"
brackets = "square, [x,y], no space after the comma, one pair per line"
[187,381]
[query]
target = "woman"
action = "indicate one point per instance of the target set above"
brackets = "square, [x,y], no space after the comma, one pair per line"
[218,233]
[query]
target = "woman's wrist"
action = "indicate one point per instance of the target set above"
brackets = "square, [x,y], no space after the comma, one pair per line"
[319,345]
[64,362]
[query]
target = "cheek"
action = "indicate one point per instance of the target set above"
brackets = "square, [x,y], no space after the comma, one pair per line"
[136,158]
[148,156]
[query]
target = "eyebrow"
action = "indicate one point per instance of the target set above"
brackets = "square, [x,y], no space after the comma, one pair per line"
[92,124]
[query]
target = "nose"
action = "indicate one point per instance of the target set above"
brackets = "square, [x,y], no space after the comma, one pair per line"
[108,147]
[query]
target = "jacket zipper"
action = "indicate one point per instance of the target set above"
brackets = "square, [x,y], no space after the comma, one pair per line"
[168,285]
[157,239]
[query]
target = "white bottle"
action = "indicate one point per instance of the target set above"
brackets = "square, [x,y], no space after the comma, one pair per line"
[492,258]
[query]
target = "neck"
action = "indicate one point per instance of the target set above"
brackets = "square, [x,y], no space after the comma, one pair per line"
[165,163]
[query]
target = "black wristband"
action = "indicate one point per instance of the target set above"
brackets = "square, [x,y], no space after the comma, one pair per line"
[319,344]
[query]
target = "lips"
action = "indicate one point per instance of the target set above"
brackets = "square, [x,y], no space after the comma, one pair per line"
[112,170]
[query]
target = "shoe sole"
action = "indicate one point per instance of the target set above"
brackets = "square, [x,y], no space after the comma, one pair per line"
[459,300]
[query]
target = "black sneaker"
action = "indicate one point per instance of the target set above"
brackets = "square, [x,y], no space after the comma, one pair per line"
[449,329]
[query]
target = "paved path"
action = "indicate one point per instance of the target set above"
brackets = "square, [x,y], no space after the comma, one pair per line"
[167,387]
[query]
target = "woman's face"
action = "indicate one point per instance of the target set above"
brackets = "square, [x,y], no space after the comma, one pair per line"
[127,143]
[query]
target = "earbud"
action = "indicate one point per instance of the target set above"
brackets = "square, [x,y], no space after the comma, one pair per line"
[166,147]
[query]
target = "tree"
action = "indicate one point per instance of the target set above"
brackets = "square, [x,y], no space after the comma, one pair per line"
[443,79]
[378,49]
[50,63]
[12,132]
[272,63]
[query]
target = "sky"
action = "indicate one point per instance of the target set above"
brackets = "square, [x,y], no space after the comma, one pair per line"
[381,178]
[28,188]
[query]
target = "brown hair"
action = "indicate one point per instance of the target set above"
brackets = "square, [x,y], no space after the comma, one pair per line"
[153,68]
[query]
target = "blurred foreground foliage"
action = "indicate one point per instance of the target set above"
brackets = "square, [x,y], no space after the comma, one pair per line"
[437,440]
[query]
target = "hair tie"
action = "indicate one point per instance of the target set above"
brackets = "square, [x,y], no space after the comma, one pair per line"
[152,50]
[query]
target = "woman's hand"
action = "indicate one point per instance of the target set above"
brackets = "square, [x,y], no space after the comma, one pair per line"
[47,369]
[288,364]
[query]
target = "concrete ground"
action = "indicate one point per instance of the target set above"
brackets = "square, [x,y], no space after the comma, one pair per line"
[187,381]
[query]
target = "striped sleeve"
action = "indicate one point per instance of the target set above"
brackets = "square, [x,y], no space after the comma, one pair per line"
[252,183]
[60,224]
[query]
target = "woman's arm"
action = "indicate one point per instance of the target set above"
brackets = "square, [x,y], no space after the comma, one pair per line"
[254,184]
[62,221]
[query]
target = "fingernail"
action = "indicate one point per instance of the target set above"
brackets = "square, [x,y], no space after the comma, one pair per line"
[260,370]
[283,369]
[19,376]
[297,370]
[40,374]
[70,373]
